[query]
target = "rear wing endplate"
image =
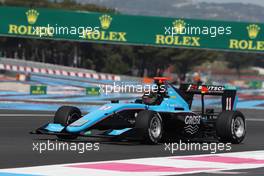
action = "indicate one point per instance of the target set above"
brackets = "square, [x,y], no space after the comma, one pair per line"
[228,94]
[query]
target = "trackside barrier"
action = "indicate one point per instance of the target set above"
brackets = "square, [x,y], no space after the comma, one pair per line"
[28,69]
[25,66]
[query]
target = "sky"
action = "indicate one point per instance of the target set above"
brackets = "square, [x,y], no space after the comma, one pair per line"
[258,2]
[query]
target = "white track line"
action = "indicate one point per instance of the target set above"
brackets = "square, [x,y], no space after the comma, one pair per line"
[140,166]
[26,115]
[255,120]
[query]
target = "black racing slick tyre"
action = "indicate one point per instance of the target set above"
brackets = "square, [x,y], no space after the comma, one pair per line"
[66,115]
[149,126]
[231,127]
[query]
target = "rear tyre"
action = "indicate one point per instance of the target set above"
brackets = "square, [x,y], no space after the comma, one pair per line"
[231,127]
[66,115]
[149,126]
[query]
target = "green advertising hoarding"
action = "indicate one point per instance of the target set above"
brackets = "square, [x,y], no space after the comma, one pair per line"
[128,29]
[38,90]
[92,91]
[255,84]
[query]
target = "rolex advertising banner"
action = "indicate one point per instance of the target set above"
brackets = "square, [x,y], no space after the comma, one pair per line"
[38,90]
[93,91]
[128,29]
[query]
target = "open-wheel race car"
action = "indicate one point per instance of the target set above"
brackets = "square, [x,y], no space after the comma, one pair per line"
[156,116]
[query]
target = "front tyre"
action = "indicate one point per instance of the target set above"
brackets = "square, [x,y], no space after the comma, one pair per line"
[231,127]
[66,115]
[149,126]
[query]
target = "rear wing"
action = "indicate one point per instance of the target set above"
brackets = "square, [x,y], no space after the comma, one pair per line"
[228,94]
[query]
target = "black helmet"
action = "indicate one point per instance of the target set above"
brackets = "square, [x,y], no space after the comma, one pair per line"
[150,98]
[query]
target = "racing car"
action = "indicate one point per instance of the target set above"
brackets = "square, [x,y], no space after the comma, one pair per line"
[156,116]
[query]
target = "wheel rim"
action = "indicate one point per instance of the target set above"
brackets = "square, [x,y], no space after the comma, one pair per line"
[239,126]
[155,126]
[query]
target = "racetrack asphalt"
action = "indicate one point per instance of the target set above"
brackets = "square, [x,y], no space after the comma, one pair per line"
[16,148]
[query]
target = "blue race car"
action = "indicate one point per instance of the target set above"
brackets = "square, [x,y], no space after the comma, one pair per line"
[156,117]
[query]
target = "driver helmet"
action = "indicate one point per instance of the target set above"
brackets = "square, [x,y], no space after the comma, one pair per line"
[150,98]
